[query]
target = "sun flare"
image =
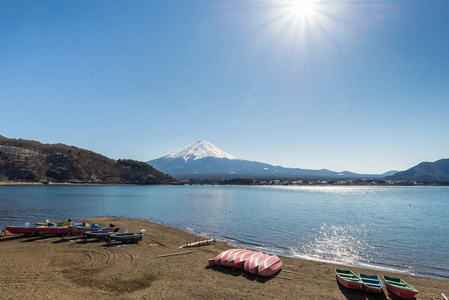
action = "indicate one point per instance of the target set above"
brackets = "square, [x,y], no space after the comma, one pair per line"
[303,7]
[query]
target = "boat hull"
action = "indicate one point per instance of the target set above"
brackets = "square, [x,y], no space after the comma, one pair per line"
[53,230]
[79,230]
[400,288]
[270,266]
[126,237]
[98,234]
[371,283]
[348,279]
[21,229]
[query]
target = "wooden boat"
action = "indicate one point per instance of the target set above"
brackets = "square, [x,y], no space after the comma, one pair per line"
[371,283]
[80,229]
[127,237]
[399,287]
[270,266]
[348,279]
[21,229]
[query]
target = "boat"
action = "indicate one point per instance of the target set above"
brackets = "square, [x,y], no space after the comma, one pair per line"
[127,237]
[52,230]
[223,255]
[80,229]
[100,234]
[399,287]
[254,261]
[240,259]
[57,224]
[270,266]
[21,229]
[231,257]
[348,279]
[371,283]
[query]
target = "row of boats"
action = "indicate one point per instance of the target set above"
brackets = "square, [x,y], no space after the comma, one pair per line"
[66,228]
[254,262]
[373,284]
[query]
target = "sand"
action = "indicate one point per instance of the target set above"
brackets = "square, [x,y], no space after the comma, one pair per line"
[69,268]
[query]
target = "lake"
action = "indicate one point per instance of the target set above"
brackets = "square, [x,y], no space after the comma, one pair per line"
[403,229]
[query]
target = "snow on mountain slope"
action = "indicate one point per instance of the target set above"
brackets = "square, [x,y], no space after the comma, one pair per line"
[198,150]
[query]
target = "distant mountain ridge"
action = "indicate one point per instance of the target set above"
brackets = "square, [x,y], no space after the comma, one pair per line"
[31,161]
[437,171]
[203,160]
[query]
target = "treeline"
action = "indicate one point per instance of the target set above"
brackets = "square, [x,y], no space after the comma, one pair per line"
[31,161]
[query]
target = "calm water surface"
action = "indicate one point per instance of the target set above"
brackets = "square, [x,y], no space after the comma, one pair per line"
[403,229]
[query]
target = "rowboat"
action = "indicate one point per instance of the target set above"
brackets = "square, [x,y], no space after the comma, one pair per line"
[255,261]
[127,237]
[270,266]
[399,287]
[371,283]
[348,279]
[80,229]
[231,257]
[240,259]
[251,261]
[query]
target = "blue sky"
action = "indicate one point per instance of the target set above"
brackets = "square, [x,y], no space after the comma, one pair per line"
[344,85]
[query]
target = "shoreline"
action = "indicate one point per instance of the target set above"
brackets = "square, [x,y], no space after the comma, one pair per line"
[46,268]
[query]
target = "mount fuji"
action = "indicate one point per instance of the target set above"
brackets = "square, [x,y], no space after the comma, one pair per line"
[203,160]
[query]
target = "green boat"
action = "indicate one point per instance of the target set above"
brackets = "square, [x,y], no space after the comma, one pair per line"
[348,279]
[399,287]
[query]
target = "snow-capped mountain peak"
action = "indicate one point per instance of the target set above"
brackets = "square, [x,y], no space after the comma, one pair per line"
[198,150]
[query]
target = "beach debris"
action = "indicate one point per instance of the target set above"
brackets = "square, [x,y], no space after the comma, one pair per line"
[445,298]
[179,253]
[199,243]
[159,243]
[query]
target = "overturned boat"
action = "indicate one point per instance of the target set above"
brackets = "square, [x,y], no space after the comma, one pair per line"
[254,262]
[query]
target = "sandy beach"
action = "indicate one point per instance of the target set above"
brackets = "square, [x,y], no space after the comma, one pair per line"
[53,268]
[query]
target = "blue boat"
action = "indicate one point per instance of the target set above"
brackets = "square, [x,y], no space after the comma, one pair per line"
[101,234]
[371,283]
[128,237]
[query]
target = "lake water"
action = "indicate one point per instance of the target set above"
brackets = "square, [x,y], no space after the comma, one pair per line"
[403,229]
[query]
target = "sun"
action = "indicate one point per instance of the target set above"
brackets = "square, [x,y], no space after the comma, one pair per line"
[303,7]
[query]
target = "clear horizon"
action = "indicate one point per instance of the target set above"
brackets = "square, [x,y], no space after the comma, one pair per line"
[351,85]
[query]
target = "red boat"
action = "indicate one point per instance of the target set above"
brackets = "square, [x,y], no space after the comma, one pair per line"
[232,256]
[21,229]
[255,261]
[270,266]
[348,279]
[251,261]
[241,258]
[52,230]
[399,287]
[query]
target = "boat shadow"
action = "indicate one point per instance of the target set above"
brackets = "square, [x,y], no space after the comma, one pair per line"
[351,294]
[6,238]
[237,272]
[38,238]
